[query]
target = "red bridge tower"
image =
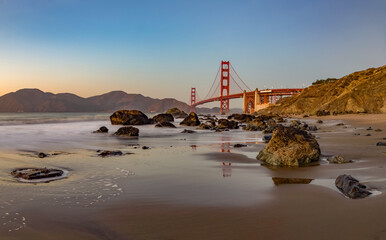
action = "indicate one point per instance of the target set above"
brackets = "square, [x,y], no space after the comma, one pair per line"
[192,100]
[224,103]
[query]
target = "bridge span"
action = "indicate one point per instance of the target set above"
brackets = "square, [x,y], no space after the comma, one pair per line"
[252,100]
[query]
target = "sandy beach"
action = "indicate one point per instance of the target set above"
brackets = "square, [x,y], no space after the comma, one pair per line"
[180,189]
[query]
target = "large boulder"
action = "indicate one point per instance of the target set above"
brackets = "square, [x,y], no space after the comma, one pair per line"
[163,117]
[290,146]
[177,113]
[351,187]
[127,131]
[191,120]
[129,117]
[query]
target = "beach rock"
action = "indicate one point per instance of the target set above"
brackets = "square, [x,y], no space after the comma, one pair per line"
[127,131]
[378,130]
[129,117]
[312,128]
[165,125]
[42,155]
[351,187]
[278,181]
[224,123]
[267,138]
[36,173]
[340,124]
[381,143]
[191,120]
[338,159]
[369,128]
[110,153]
[163,117]
[204,126]
[177,113]
[290,146]
[102,129]
[368,135]
[188,131]
[145,147]
[319,121]
[239,145]
[241,117]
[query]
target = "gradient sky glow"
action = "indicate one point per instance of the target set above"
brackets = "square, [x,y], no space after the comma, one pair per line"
[162,48]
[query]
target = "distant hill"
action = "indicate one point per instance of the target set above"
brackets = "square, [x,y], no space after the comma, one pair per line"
[359,92]
[35,100]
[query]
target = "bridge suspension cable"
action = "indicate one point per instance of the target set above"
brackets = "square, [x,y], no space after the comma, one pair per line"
[240,78]
[214,81]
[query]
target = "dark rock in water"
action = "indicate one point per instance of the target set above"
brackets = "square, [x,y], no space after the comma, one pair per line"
[145,147]
[241,117]
[305,116]
[381,143]
[378,130]
[102,129]
[42,155]
[369,128]
[127,131]
[225,123]
[163,117]
[165,125]
[191,120]
[340,124]
[204,126]
[367,135]
[239,145]
[188,131]
[267,138]
[356,134]
[129,117]
[312,128]
[351,187]
[290,146]
[278,181]
[110,153]
[338,159]
[319,121]
[36,173]
[177,113]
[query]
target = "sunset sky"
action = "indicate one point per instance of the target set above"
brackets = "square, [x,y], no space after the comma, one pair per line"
[162,48]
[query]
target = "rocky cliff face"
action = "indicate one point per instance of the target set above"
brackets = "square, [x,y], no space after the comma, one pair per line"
[359,92]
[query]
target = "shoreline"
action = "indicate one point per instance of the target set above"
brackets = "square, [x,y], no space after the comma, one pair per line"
[184,191]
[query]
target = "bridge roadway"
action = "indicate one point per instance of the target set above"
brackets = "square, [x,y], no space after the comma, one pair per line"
[263,93]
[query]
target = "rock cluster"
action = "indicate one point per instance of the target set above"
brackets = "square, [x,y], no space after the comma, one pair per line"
[338,159]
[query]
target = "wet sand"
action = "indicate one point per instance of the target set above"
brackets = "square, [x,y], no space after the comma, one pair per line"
[185,192]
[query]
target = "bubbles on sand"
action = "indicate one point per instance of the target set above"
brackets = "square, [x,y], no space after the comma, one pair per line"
[93,189]
[12,221]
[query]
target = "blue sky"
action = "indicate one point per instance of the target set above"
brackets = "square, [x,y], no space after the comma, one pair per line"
[162,48]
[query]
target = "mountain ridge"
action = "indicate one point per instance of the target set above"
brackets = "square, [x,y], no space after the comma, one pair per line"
[35,100]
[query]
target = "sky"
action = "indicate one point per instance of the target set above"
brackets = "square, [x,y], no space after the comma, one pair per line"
[163,48]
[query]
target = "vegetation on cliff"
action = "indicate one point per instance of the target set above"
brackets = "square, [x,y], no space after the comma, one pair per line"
[359,92]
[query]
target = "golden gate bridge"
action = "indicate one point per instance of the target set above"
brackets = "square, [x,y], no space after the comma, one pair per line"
[253,100]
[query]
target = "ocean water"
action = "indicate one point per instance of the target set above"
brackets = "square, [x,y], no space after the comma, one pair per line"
[63,131]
